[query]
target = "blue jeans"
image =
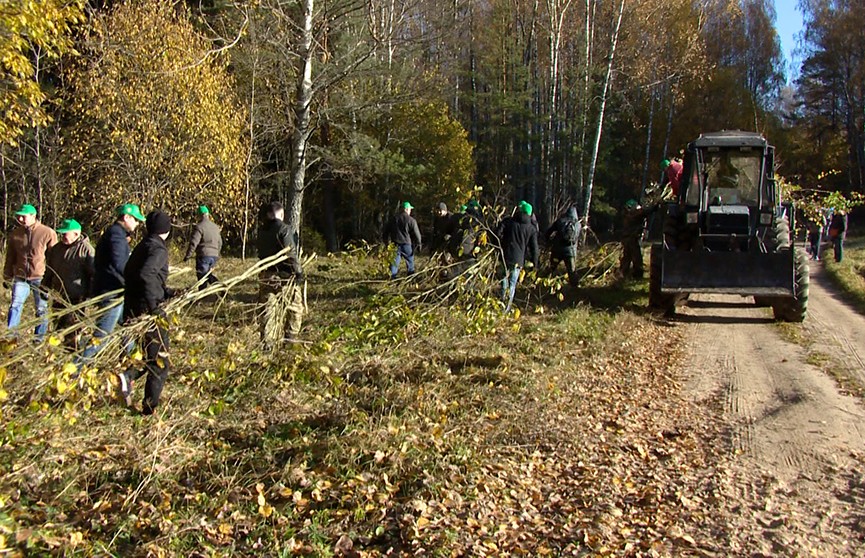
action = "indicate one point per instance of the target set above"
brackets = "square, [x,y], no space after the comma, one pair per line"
[203,266]
[838,245]
[402,251]
[104,325]
[20,291]
[509,286]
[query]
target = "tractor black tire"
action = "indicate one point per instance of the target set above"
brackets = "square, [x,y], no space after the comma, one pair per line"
[795,309]
[657,299]
[780,234]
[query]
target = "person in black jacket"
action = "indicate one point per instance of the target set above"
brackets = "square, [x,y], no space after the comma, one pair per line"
[838,232]
[519,244]
[404,232]
[273,238]
[146,273]
[564,234]
[112,252]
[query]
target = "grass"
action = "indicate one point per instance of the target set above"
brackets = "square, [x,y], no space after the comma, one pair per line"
[849,274]
[406,411]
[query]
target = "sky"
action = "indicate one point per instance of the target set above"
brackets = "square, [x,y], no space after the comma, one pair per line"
[788,24]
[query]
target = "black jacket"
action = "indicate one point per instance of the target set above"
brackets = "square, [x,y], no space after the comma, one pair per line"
[561,247]
[402,229]
[112,253]
[273,237]
[519,240]
[146,273]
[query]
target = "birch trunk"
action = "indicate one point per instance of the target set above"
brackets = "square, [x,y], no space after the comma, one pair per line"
[600,127]
[302,131]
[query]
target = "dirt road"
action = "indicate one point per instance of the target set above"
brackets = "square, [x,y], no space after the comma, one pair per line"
[795,474]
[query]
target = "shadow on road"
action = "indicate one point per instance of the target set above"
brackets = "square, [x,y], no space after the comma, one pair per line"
[691,319]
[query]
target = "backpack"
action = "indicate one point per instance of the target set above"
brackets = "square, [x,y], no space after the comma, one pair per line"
[570,232]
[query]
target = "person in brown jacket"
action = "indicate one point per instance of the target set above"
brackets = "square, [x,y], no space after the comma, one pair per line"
[205,244]
[69,274]
[25,266]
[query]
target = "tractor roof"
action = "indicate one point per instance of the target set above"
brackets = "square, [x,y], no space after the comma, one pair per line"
[730,138]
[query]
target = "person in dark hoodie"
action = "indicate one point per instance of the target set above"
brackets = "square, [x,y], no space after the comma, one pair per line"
[146,273]
[404,232]
[519,244]
[564,234]
[69,274]
[112,252]
[273,238]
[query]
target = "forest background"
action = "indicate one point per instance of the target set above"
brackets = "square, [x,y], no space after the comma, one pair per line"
[344,108]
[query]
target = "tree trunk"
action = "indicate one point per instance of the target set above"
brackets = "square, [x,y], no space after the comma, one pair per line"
[600,127]
[300,137]
[648,155]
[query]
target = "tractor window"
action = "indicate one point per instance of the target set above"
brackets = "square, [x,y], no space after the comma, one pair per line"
[692,196]
[732,177]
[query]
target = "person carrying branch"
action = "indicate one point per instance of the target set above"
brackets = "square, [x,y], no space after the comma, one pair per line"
[145,293]
[279,286]
[633,226]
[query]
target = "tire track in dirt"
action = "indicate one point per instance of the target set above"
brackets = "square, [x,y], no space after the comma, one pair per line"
[792,476]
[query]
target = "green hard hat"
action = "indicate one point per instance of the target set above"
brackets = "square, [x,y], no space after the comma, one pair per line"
[407,205]
[69,225]
[665,163]
[26,209]
[526,207]
[130,209]
[631,204]
[203,209]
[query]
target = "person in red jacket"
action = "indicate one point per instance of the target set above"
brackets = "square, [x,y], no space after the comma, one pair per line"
[672,174]
[25,266]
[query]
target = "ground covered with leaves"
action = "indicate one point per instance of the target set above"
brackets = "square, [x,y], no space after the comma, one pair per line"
[410,421]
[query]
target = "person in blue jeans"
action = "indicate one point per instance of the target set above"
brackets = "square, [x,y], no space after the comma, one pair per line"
[205,244]
[24,267]
[112,253]
[404,232]
[518,238]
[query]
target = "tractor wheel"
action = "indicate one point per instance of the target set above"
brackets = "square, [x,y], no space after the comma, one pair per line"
[781,233]
[794,309]
[657,299]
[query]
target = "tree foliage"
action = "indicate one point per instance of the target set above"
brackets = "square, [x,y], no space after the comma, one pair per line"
[25,27]
[154,117]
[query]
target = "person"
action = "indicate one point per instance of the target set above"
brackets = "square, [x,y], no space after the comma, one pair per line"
[838,232]
[112,253]
[519,244]
[69,275]
[444,225]
[672,174]
[145,275]
[282,279]
[25,266]
[564,234]
[815,234]
[404,232]
[205,244]
[633,225]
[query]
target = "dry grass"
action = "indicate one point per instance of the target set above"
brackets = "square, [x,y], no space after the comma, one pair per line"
[377,435]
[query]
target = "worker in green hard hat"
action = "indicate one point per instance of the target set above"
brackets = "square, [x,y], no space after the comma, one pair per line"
[205,243]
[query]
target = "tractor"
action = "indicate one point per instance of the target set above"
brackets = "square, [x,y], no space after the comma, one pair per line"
[727,230]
